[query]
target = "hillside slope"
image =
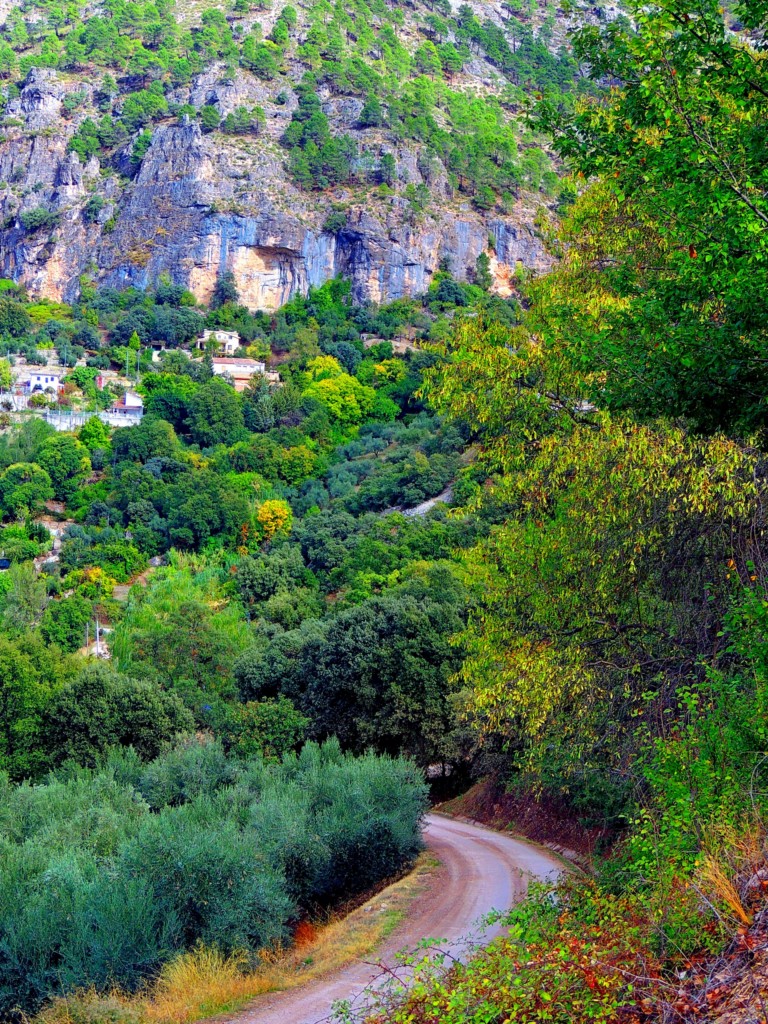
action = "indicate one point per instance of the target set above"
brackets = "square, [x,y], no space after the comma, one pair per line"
[142,140]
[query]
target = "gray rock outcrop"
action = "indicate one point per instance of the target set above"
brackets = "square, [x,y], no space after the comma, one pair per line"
[202,204]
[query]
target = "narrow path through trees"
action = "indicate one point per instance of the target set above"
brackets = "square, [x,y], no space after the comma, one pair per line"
[480,871]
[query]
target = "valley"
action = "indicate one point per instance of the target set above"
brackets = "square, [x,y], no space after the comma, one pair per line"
[383,434]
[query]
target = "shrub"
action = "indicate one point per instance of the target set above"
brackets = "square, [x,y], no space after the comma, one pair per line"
[39,218]
[335,222]
[269,728]
[93,208]
[99,887]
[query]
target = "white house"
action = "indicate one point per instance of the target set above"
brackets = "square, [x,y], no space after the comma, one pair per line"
[240,370]
[227,342]
[130,406]
[43,380]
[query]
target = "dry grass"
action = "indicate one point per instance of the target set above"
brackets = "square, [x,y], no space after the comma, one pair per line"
[725,870]
[204,982]
[718,882]
[201,983]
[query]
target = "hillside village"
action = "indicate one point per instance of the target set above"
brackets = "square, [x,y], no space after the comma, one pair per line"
[44,388]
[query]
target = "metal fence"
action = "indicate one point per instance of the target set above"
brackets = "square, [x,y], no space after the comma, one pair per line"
[66,419]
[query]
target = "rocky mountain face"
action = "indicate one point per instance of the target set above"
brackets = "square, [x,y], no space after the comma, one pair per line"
[204,203]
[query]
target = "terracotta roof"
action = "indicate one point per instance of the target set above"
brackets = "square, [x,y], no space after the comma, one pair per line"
[237,362]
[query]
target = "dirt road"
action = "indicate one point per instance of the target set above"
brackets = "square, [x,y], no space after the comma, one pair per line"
[481,871]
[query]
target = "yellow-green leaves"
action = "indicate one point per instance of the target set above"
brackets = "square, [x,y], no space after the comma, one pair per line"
[615,531]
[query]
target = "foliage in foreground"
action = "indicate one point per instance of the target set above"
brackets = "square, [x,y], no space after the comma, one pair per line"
[617,655]
[107,873]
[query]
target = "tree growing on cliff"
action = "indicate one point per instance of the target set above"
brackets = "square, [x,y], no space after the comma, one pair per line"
[483,275]
[372,113]
[209,118]
[387,169]
[225,290]
[259,58]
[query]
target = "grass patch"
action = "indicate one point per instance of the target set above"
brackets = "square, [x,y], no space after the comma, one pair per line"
[204,982]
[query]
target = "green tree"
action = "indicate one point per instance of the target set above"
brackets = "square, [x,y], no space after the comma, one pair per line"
[23,600]
[24,489]
[258,407]
[344,398]
[64,622]
[14,319]
[8,61]
[483,276]
[268,729]
[209,118]
[215,414]
[388,169]
[484,198]
[279,34]
[661,287]
[451,60]
[259,58]
[152,438]
[66,461]
[619,536]
[376,675]
[94,433]
[225,290]
[30,674]
[372,113]
[140,148]
[139,108]
[186,635]
[428,60]
[101,708]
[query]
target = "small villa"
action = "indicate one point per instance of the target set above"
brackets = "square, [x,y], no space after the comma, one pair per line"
[130,405]
[44,380]
[227,342]
[240,370]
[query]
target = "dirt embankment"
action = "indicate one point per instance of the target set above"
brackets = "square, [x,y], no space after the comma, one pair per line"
[543,821]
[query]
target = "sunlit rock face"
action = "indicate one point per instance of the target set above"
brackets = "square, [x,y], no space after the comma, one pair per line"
[199,205]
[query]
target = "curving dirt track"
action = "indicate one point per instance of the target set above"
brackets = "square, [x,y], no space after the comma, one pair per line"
[480,871]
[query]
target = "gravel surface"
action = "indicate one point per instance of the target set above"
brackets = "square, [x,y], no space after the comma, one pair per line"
[480,871]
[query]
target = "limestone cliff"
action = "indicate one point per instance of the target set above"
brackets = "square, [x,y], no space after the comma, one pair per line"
[199,204]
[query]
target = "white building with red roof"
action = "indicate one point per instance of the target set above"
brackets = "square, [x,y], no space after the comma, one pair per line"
[241,371]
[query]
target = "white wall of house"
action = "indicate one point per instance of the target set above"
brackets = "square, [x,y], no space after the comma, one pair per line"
[227,342]
[43,380]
